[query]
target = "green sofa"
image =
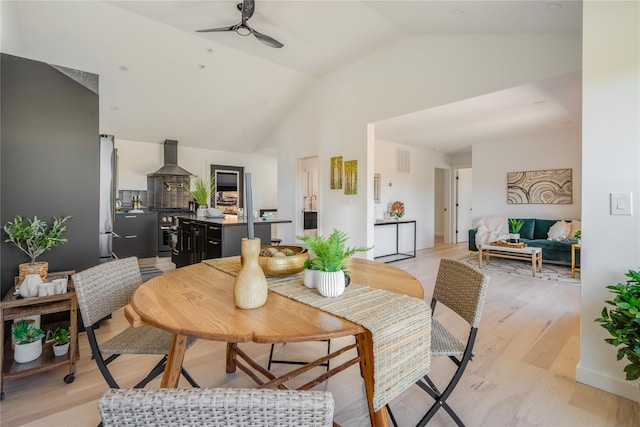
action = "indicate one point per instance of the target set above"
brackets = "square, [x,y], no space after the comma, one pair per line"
[534,232]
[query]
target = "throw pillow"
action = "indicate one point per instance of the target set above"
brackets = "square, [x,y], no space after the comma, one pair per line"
[576,225]
[559,231]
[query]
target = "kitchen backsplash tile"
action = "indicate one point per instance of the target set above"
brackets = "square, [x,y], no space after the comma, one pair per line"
[126,197]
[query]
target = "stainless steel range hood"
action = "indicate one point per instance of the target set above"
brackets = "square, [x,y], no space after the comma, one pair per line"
[171,161]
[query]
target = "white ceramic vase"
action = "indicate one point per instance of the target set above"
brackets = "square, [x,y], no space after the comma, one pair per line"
[330,283]
[201,212]
[60,349]
[29,287]
[310,277]
[28,352]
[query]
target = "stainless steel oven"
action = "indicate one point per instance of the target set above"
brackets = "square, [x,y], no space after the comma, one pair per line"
[168,230]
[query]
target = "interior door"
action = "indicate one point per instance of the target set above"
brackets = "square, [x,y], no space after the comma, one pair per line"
[463,204]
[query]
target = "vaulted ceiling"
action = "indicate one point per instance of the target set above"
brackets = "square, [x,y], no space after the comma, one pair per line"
[160,79]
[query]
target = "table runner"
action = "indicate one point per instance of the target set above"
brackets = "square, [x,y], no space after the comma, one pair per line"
[399,324]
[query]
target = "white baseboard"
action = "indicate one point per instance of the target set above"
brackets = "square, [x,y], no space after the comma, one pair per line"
[627,389]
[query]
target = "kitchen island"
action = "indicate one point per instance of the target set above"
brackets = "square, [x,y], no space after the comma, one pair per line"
[201,238]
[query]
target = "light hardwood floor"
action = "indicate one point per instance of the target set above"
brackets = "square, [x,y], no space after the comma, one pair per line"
[523,373]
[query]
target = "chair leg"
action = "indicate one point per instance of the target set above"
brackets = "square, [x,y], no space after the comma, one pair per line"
[189,378]
[97,356]
[270,356]
[393,419]
[157,370]
[440,398]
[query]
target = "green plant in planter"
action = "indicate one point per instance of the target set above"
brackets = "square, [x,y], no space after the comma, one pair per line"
[201,189]
[308,264]
[578,234]
[33,236]
[25,332]
[623,322]
[515,225]
[330,252]
[60,336]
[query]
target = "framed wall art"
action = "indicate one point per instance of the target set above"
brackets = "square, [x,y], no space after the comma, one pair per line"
[540,187]
[336,172]
[351,177]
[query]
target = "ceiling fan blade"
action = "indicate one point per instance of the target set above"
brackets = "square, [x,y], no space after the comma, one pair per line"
[269,41]
[248,7]
[211,30]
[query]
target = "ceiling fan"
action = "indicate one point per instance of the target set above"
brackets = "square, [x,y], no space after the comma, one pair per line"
[246,8]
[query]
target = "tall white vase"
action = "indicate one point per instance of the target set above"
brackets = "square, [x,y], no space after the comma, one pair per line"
[330,283]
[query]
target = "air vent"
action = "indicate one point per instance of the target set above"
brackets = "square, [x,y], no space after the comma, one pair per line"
[403,161]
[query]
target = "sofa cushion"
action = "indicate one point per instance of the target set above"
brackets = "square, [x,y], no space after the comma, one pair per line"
[560,231]
[541,230]
[528,224]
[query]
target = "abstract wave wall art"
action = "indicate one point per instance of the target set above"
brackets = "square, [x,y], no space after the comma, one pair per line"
[539,187]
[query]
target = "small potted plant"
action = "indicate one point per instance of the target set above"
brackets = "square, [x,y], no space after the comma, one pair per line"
[310,273]
[331,254]
[60,338]
[201,190]
[28,345]
[34,237]
[622,320]
[578,237]
[514,229]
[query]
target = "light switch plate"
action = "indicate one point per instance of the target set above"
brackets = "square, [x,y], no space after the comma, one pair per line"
[621,204]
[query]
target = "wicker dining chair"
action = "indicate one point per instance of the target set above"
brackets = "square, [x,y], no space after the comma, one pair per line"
[463,289]
[216,407]
[108,287]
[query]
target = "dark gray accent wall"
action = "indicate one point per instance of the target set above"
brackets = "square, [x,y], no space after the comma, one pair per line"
[49,158]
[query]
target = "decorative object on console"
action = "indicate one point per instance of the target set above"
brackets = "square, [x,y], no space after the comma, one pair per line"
[621,321]
[336,173]
[250,287]
[539,187]
[351,177]
[397,210]
[28,346]
[282,260]
[331,254]
[34,237]
[30,286]
[201,190]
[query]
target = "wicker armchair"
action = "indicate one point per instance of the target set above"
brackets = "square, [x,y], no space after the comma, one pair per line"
[463,289]
[216,407]
[105,288]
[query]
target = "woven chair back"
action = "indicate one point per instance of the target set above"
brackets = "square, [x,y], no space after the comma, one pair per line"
[461,288]
[105,288]
[216,407]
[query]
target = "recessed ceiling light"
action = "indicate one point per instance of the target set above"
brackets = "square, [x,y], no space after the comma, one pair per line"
[554,6]
[114,108]
[123,68]
[202,66]
[458,12]
[539,102]
[209,50]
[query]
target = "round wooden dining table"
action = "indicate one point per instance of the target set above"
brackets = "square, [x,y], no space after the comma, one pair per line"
[197,301]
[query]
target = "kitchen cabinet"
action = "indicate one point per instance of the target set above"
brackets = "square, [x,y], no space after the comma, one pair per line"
[206,238]
[136,234]
[15,307]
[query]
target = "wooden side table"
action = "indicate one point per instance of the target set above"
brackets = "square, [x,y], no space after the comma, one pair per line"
[15,307]
[574,248]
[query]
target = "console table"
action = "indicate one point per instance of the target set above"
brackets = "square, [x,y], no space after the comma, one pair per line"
[397,255]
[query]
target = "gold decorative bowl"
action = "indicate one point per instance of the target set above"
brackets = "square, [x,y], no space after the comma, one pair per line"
[283,265]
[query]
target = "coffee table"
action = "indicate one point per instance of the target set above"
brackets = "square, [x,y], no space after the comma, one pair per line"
[528,253]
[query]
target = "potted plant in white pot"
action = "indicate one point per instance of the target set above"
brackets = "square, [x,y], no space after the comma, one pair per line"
[34,237]
[61,339]
[201,190]
[28,345]
[514,229]
[622,321]
[331,254]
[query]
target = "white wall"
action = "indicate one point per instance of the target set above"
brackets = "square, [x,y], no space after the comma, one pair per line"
[412,74]
[492,161]
[611,154]
[136,159]
[415,189]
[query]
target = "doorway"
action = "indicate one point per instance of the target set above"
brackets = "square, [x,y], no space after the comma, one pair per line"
[310,202]
[440,211]
[463,204]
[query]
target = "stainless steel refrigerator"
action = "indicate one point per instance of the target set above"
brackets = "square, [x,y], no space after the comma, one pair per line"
[107,195]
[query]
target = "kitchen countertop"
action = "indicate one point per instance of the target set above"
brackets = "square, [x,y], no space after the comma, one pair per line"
[231,220]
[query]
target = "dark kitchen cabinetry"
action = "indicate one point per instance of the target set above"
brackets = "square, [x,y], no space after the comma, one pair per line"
[192,244]
[214,241]
[136,234]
